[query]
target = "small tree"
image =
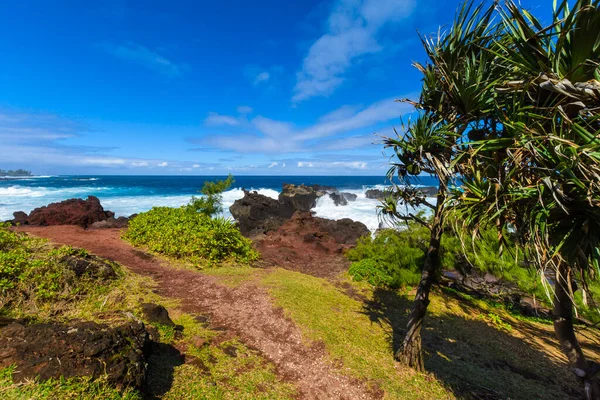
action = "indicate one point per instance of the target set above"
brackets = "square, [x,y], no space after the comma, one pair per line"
[211,203]
[453,95]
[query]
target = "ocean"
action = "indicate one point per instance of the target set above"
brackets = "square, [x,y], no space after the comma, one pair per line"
[126,195]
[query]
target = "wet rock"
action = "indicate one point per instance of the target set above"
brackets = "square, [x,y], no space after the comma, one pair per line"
[69,212]
[299,197]
[338,199]
[349,196]
[156,314]
[324,188]
[75,350]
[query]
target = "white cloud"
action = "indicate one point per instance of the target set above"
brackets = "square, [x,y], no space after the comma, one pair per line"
[102,161]
[353,28]
[273,164]
[140,163]
[162,164]
[243,110]
[196,166]
[147,58]
[261,77]
[215,119]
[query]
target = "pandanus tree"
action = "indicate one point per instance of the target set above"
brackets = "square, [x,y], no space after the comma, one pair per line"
[534,168]
[453,95]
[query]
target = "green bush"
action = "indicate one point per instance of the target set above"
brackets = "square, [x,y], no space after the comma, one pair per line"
[190,235]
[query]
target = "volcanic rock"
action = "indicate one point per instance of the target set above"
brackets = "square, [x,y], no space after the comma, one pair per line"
[256,213]
[53,350]
[91,266]
[311,245]
[69,212]
[299,197]
[349,196]
[156,314]
[20,218]
[376,194]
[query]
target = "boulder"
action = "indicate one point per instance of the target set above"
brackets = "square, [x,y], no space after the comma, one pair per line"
[428,191]
[256,213]
[156,314]
[54,350]
[69,212]
[299,197]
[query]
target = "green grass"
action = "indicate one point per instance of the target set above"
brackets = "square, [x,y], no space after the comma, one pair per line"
[73,388]
[326,314]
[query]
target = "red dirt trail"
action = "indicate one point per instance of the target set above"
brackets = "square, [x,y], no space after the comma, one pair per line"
[246,311]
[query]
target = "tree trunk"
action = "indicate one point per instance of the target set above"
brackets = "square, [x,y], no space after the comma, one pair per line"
[563,328]
[411,353]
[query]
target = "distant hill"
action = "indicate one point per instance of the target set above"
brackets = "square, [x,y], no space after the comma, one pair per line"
[17,172]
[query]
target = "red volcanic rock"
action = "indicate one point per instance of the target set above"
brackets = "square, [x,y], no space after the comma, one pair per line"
[310,244]
[70,212]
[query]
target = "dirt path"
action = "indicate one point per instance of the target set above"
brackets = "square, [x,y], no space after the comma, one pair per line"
[245,311]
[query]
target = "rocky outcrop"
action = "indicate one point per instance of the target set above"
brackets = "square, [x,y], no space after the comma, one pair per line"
[256,213]
[54,350]
[299,197]
[342,198]
[310,244]
[69,212]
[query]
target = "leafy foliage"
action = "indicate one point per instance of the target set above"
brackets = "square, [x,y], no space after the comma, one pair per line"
[211,203]
[186,234]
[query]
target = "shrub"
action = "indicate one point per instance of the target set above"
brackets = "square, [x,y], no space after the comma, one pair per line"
[187,234]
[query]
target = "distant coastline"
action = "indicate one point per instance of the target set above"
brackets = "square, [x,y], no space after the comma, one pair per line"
[18,173]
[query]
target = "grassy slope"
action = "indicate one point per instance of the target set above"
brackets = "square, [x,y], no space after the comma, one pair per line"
[471,346]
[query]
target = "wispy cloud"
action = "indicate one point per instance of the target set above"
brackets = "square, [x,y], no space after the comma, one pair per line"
[334,164]
[340,129]
[147,58]
[353,28]
[215,119]
[263,77]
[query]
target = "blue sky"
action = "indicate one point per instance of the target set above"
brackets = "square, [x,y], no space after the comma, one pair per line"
[196,87]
